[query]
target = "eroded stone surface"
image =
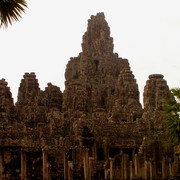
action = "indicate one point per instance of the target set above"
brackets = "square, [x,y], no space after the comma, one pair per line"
[31,105]
[6,103]
[95,129]
[155,92]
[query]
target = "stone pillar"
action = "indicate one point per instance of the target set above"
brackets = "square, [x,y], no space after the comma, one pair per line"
[1,166]
[146,170]
[45,165]
[91,168]
[136,165]
[70,167]
[125,166]
[173,171]
[122,163]
[85,160]
[23,165]
[139,172]
[65,166]
[105,173]
[163,168]
[131,170]
[151,170]
[111,168]
[170,168]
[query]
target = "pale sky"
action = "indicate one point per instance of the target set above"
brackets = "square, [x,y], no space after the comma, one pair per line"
[146,32]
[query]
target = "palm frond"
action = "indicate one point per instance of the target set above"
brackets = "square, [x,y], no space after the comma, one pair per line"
[172,115]
[176,92]
[10,10]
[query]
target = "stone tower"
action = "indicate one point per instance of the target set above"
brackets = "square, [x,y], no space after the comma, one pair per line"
[155,91]
[30,106]
[6,103]
[95,129]
[92,76]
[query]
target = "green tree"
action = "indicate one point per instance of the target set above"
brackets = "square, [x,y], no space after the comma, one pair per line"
[172,115]
[11,10]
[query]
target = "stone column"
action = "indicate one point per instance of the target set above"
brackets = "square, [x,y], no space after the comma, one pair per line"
[146,170]
[173,169]
[163,168]
[23,165]
[151,170]
[45,165]
[111,168]
[105,173]
[91,168]
[139,172]
[125,166]
[131,170]
[136,165]
[1,166]
[170,168]
[85,160]
[70,167]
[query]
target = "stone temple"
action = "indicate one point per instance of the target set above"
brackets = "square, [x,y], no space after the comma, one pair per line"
[95,129]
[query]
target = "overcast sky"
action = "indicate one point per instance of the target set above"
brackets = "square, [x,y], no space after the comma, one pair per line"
[147,33]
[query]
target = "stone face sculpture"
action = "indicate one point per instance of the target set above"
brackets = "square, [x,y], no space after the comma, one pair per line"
[155,91]
[6,103]
[92,76]
[30,105]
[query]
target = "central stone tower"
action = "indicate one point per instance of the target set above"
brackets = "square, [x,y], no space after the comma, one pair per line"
[99,80]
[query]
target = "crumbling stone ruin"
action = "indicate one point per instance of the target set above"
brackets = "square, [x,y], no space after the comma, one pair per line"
[95,129]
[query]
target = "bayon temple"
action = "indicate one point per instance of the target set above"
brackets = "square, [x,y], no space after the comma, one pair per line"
[95,129]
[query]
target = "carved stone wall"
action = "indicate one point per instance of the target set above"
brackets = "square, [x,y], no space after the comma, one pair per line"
[31,105]
[127,107]
[6,103]
[95,129]
[53,97]
[91,77]
[155,91]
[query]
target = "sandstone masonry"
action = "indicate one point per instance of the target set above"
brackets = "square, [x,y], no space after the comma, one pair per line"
[95,129]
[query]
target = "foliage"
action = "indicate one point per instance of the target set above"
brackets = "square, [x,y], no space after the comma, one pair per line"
[172,115]
[10,10]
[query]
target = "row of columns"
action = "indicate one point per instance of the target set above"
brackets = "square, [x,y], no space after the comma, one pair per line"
[24,166]
[88,164]
[138,168]
[123,169]
[141,169]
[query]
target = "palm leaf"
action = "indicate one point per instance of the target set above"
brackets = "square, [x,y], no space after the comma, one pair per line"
[172,117]
[176,92]
[10,10]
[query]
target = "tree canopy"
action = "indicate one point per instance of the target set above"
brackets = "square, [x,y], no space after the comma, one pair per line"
[11,10]
[172,115]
